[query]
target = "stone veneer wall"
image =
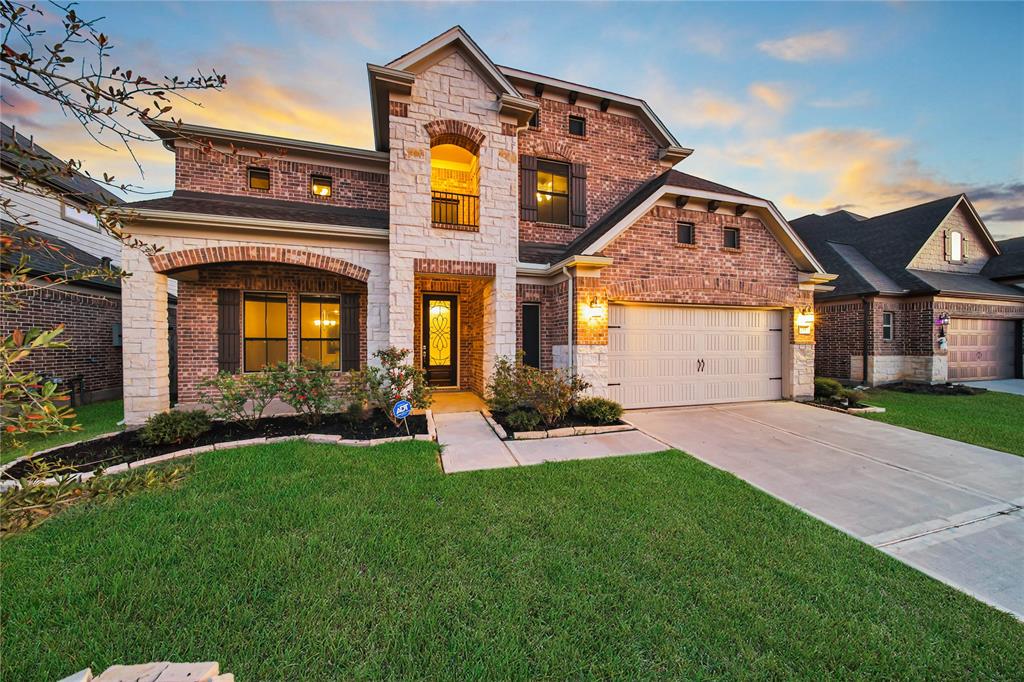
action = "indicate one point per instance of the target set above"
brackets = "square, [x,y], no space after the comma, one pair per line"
[451,90]
[144,308]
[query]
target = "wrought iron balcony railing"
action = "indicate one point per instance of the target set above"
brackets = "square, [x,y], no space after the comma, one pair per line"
[449,208]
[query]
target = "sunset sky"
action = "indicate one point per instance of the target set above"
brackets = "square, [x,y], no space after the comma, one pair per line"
[865,106]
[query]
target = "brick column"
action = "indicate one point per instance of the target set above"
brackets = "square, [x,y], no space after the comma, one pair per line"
[144,339]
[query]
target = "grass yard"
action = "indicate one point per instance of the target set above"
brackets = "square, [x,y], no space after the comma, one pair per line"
[296,561]
[95,418]
[993,420]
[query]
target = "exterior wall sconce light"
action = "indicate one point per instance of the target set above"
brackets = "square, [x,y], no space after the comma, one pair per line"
[942,320]
[594,310]
[805,321]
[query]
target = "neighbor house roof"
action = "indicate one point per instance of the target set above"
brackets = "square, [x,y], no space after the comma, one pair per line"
[1009,264]
[184,201]
[57,257]
[73,185]
[872,255]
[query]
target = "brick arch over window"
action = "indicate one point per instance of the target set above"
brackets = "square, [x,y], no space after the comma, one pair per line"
[188,258]
[448,131]
[708,290]
[557,150]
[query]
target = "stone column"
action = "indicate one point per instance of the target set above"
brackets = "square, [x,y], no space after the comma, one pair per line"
[378,317]
[144,339]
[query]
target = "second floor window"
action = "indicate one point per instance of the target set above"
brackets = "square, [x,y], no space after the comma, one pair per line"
[553,192]
[731,238]
[956,247]
[79,216]
[577,125]
[320,186]
[684,233]
[259,179]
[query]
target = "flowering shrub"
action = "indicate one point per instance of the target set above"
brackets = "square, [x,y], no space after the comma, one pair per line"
[518,386]
[381,387]
[241,397]
[308,388]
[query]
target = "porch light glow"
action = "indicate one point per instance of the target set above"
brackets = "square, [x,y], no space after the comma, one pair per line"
[594,310]
[804,321]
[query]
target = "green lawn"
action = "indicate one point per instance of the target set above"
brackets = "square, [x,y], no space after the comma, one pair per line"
[95,418]
[313,562]
[993,420]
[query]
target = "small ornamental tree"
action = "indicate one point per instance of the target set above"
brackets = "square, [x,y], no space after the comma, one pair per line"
[51,55]
[308,389]
[395,379]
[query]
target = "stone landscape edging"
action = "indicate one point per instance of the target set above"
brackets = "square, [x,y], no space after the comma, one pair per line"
[431,435]
[563,432]
[870,409]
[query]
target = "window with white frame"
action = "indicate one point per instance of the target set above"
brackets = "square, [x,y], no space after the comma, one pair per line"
[888,326]
[78,216]
[956,247]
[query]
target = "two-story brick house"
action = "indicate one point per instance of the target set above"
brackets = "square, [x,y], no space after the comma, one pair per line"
[500,210]
[922,294]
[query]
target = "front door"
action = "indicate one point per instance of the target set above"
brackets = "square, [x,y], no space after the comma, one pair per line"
[440,339]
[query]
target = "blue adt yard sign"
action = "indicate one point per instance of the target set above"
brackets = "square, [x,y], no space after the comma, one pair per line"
[402,409]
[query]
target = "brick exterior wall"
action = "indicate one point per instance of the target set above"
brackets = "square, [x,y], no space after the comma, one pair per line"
[197,313]
[649,265]
[554,303]
[202,170]
[618,151]
[88,321]
[471,332]
[932,255]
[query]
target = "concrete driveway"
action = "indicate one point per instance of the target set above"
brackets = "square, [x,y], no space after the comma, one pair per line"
[1015,386]
[951,510]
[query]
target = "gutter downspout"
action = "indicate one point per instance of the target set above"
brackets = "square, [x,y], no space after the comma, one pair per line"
[572,307]
[867,334]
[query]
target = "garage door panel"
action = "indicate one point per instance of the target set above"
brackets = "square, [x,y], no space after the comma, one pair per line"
[980,349]
[654,354]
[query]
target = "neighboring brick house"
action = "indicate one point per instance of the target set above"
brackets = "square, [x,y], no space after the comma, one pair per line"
[500,211]
[922,294]
[90,309]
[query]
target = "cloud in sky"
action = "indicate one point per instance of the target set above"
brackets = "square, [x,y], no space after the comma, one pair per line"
[805,47]
[773,95]
[861,98]
[19,109]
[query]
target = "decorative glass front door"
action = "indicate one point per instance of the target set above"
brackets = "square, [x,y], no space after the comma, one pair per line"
[440,339]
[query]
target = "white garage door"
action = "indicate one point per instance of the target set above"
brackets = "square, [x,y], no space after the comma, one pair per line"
[677,355]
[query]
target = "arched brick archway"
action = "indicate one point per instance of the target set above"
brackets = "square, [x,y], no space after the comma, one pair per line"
[557,150]
[188,258]
[448,131]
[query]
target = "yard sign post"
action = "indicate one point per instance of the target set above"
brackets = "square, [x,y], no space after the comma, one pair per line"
[401,410]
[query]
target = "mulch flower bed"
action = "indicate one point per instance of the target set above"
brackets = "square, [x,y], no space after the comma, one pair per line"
[570,421]
[127,447]
[934,389]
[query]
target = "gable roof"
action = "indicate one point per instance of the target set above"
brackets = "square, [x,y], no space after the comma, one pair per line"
[74,185]
[673,183]
[44,261]
[872,255]
[1009,264]
[399,74]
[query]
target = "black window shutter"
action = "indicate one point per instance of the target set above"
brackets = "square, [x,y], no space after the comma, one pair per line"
[578,195]
[227,330]
[349,332]
[531,334]
[528,187]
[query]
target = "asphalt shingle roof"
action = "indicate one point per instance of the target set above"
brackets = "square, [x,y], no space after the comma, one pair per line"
[57,257]
[183,201]
[1009,262]
[871,255]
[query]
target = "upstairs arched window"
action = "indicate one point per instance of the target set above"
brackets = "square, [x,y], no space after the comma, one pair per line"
[454,185]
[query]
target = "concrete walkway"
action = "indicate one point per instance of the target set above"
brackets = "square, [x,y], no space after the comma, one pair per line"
[469,444]
[1015,386]
[951,510]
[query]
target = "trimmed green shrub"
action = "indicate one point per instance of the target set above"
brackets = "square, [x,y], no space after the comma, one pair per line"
[550,393]
[600,411]
[395,379]
[853,396]
[307,388]
[827,389]
[241,397]
[166,428]
[522,420]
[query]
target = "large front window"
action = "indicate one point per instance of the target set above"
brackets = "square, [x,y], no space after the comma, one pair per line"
[320,330]
[266,330]
[553,192]
[454,186]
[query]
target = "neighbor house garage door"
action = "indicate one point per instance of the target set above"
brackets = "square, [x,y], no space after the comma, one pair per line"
[980,349]
[660,356]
